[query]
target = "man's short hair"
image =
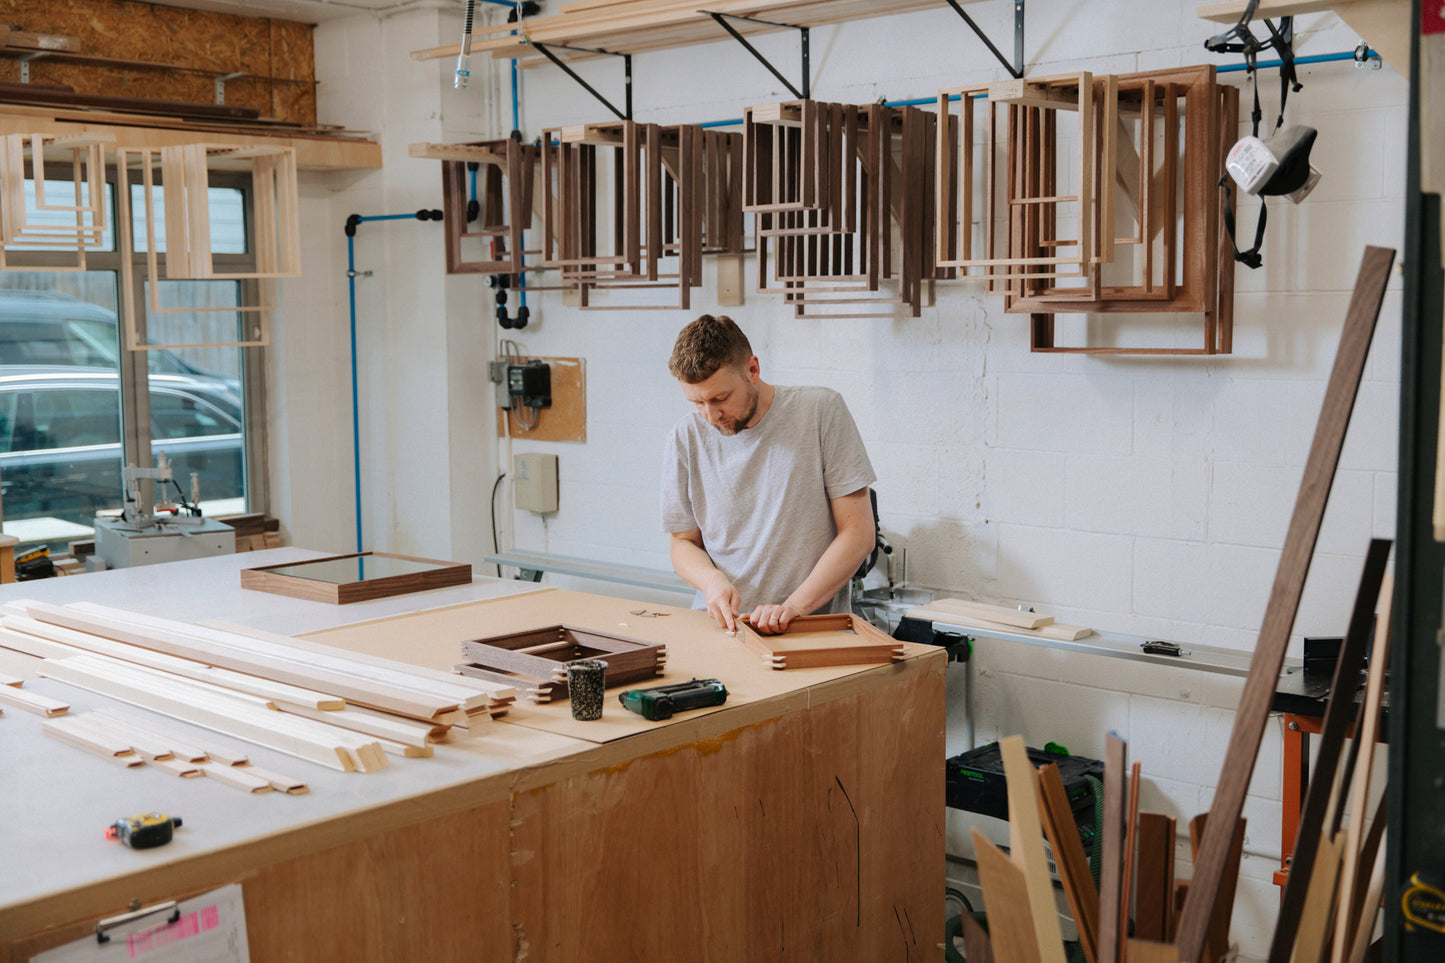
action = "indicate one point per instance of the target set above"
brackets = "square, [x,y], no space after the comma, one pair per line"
[706,345]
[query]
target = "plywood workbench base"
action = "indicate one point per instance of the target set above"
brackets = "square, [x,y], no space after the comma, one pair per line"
[806,826]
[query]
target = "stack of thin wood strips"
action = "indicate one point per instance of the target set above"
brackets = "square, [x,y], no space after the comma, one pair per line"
[73,220]
[828,183]
[342,710]
[675,195]
[1104,200]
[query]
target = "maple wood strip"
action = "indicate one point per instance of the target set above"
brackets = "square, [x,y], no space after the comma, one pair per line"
[32,645]
[992,613]
[1253,713]
[1313,919]
[64,729]
[347,685]
[1309,835]
[1111,868]
[286,784]
[1366,732]
[180,746]
[176,767]
[6,679]
[235,776]
[262,688]
[475,687]
[1006,898]
[383,725]
[1131,823]
[33,702]
[144,744]
[1026,847]
[208,709]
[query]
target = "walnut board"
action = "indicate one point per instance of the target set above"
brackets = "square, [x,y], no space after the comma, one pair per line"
[265,579]
[566,419]
[696,648]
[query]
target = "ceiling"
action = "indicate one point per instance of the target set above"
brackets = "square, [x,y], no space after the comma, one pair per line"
[308,11]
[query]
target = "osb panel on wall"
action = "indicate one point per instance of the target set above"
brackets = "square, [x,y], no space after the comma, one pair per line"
[277,54]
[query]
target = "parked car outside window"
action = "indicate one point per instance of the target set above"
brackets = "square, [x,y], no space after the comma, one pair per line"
[51,328]
[60,429]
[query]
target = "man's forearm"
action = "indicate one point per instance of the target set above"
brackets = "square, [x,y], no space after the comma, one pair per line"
[832,571]
[692,562]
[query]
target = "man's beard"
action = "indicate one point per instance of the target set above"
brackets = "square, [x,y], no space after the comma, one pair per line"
[733,426]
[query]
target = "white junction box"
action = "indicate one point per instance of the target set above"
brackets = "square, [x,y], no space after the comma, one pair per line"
[534,482]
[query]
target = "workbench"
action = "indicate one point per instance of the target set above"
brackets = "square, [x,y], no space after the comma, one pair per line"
[802,820]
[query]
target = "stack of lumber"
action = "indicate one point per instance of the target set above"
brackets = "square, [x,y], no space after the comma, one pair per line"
[347,712]
[999,618]
[631,26]
[131,741]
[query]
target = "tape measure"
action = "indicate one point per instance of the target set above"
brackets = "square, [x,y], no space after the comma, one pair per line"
[144,831]
[1423,904]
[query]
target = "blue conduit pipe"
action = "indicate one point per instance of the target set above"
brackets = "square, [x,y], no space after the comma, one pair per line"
[1351,56]
[352,222]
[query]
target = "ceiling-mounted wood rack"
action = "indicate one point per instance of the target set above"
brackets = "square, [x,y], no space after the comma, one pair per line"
[826,188]
[635,26]
[508,172]
[676,195]
[1116,213]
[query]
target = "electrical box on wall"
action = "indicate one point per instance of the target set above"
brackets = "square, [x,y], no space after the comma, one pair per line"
[534,482]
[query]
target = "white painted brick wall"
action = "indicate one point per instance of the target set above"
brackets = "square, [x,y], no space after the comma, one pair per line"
[1140,496]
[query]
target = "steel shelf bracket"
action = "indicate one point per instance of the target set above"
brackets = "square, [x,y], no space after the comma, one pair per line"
[546,50]
[1015,69]
[806,92]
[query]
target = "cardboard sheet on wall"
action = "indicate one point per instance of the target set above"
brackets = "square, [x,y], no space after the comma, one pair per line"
[566,419]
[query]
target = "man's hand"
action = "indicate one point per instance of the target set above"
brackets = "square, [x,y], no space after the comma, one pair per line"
[722,600]
[773,619]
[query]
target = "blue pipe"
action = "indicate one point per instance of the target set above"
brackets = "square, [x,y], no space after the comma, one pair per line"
[1228,68]
[355,403]
[517,126]
[351,224]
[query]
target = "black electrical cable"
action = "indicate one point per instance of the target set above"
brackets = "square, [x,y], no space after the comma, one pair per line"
[193,509]
[496,548]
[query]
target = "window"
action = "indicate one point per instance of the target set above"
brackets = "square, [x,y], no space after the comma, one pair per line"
[75,407]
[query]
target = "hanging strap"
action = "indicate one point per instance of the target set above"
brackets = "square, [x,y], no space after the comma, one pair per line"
[1251,258]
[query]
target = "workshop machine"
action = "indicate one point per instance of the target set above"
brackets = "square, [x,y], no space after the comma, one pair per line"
[152,528]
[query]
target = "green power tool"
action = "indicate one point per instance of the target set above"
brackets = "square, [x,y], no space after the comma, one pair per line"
[662,701]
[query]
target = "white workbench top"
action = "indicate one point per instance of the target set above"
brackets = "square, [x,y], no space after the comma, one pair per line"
[57,799]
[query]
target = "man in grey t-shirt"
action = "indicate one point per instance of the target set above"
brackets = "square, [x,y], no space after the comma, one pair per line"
[764,487]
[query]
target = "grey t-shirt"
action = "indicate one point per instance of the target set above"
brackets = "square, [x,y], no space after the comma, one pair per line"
[761,497]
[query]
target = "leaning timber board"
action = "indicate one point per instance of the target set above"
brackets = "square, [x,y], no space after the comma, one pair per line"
[1252,716]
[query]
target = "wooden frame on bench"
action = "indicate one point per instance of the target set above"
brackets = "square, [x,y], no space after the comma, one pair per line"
[536,660]
[800,647]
